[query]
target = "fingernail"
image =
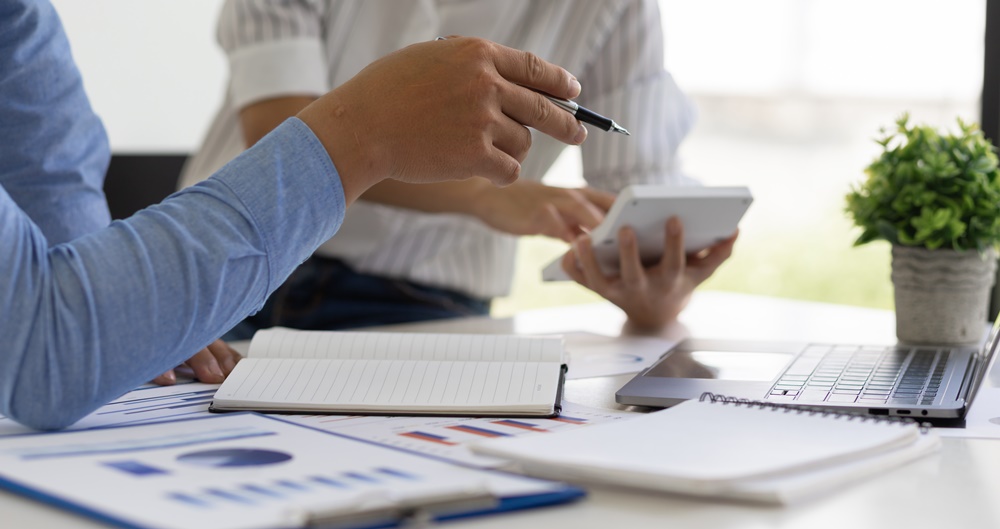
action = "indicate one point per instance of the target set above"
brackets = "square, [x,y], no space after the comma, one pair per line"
[581,133]
[170,376]
[674,226]
[574,87]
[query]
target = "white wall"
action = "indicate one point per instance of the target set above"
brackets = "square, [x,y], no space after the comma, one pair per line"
[918,49]
[152,68]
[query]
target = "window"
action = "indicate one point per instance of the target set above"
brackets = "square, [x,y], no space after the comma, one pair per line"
[790,95]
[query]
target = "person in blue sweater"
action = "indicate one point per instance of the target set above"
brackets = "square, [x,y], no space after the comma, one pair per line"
[93,308]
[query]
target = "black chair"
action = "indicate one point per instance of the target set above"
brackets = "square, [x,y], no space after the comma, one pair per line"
[135,181]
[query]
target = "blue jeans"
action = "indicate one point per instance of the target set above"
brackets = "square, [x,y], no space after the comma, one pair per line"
[326,294]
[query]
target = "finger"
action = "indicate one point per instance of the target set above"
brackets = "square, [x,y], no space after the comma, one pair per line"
[602,199]
[554,225]
[633,275]
[571,265]
[673,261]
[592,274]
[527,69]
[166,379]
[205,367]
[574,205]
[498,167]
[226,356]
[512,138]
[724,248]
[703,267]
[535,110]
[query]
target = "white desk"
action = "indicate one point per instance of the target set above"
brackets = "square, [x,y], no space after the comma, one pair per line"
[958,487]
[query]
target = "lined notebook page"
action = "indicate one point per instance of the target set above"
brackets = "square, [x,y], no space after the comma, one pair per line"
[395,372]
[288,343]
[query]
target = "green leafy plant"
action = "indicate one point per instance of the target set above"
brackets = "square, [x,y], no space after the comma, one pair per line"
[930,190]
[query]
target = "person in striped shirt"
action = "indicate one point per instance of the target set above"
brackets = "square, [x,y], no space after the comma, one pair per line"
[411,253]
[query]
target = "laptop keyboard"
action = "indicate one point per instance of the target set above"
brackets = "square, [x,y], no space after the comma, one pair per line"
[864,375]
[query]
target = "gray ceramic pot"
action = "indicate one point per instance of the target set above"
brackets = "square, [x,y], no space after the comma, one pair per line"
[942,296]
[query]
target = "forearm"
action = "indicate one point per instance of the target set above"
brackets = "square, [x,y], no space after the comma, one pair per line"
[260,118]
[448,197]
[91,319]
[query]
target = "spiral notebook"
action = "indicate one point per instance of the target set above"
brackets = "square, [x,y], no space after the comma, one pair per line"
[721,447]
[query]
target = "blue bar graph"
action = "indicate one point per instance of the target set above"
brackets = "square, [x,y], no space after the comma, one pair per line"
[329,482]
[136,468]
[397,473]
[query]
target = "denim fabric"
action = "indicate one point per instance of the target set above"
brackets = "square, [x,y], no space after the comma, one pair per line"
[327,294]
[89,319]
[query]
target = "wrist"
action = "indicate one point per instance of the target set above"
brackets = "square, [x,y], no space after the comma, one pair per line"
[646,326]
[333,121]
[480,199]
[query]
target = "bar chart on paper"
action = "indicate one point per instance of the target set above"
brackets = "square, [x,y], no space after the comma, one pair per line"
[239,471]
[450,438]
[143,405]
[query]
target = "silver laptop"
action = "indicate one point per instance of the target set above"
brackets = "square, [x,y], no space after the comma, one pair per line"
[907,381]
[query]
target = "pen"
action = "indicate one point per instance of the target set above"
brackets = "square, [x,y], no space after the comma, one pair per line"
[588,116]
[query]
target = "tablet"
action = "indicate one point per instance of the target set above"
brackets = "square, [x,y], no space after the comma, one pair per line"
[709,215]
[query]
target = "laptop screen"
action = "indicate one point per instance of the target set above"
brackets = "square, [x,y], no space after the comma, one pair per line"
[986,355]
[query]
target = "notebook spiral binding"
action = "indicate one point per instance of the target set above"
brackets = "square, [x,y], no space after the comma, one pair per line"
[809,410]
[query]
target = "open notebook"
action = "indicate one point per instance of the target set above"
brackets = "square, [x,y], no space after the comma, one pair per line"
[718,447]
[397,374]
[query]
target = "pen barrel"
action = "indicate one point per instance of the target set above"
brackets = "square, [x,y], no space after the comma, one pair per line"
[568,106]
[594,119]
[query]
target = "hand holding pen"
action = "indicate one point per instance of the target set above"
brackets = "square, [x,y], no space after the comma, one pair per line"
[583,114]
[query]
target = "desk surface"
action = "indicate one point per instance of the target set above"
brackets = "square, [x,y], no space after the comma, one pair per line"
[957,487]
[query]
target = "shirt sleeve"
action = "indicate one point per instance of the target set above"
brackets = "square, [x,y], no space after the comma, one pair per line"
[87,320]
[53,148]
[627,82]
[97,316]
[274,49]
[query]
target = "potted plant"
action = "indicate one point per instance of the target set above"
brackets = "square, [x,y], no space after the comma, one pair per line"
[936,198]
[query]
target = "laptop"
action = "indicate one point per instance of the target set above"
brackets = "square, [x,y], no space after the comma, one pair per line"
[933,382]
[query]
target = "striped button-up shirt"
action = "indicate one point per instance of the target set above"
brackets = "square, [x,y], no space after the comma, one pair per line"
[614,47]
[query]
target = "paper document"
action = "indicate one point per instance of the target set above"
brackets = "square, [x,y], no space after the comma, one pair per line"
[449,438]
[597,355]
[144,405]
[240,471]
[445,438]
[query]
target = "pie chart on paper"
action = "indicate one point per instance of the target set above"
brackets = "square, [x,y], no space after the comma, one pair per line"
[234,457]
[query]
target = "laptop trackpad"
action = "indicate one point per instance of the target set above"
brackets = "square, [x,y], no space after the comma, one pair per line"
[742,369]
[721,365]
